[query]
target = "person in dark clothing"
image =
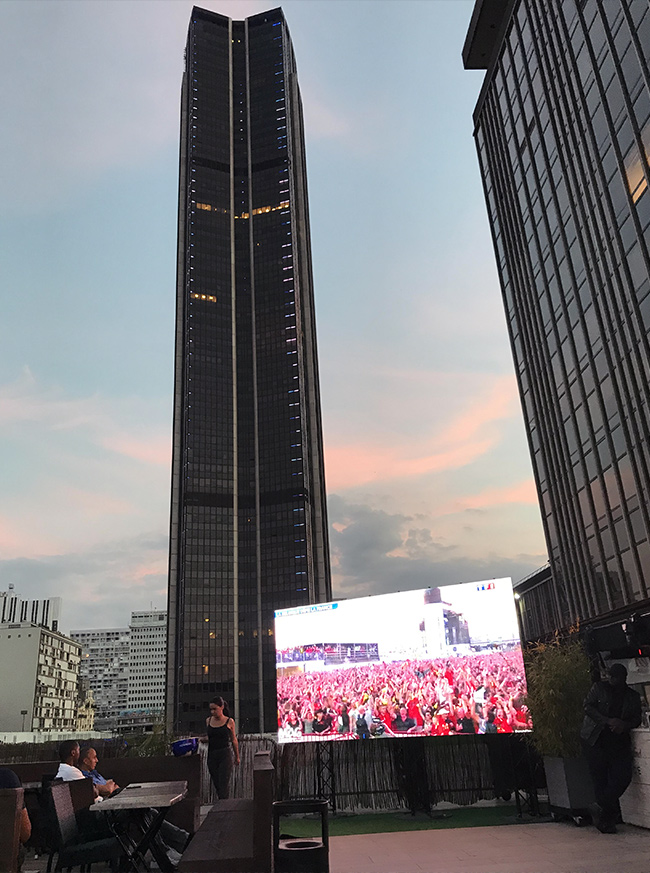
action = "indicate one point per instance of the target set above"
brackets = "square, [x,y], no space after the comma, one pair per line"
[490,727]
[8,779]
[402,721]
[222,743]
[466,721]
[322,723]
[612,710]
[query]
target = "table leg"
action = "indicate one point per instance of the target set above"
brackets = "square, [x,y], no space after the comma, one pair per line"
[152,821]
[119,828]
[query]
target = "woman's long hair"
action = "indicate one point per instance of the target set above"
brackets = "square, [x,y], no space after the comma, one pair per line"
[219,701]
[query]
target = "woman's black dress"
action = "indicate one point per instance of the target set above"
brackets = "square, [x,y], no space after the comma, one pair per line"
[220,757]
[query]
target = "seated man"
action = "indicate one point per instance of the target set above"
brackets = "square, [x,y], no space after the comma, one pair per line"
[69,758]
[88,761]
[174,839]
[92,827]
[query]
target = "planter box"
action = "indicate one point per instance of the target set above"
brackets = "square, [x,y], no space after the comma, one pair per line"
[569,783]
[635,803]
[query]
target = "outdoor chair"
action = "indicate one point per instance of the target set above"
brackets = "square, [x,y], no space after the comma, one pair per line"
[71,848]
[47,838]
[82,793]
[11,806]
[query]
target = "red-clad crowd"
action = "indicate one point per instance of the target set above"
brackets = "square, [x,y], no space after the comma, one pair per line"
[478,693]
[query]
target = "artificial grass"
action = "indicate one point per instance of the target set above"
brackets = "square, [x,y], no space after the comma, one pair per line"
[389,822]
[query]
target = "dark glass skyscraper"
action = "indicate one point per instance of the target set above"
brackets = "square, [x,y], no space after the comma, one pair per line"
[562,128]
[248,515]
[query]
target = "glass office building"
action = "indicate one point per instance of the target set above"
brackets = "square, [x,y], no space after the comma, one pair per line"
[248,515]
[562,129]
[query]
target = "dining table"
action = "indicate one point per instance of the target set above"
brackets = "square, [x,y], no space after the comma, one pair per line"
[135,815]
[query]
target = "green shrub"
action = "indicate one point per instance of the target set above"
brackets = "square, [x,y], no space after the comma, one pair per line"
[558,681]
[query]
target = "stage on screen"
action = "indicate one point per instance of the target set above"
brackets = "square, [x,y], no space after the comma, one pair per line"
[431,662]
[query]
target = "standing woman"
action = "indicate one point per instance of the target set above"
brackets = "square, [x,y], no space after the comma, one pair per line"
[221,736]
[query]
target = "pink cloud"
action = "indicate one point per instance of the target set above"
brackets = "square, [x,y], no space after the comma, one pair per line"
[109,424]
[469,435]
[522,492]
[500,403]
[29,542]
[97,504]
[348,466]
[156,450]
[154,567]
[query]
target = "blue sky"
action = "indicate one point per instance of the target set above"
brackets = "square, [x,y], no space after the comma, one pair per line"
[428,472]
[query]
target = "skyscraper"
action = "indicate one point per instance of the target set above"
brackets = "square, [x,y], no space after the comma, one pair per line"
[562,128]
[248,515]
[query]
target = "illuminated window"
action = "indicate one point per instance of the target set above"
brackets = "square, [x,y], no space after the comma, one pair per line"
[209,298]
[205,206]
[261,209]
[636,166]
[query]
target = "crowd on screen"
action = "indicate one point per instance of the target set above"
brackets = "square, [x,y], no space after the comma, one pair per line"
[478,693]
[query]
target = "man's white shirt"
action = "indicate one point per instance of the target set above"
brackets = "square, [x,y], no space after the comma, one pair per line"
[68,773]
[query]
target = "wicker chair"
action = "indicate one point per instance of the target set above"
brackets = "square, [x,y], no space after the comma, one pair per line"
[11,809]
[71,849]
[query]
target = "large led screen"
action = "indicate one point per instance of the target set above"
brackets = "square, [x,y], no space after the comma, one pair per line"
[431,662]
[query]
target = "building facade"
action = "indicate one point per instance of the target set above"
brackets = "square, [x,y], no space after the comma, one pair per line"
[562,129]
[248,529]
[535,603]
[147,658]
[39,678]
[85,707]
[15,609]
[105,667]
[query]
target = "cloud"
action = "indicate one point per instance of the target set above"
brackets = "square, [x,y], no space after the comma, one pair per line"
[26,401]
[98,505]
[377,552]
[100,586]
[84,469]
[322,121]
[156,450]
[19,539]
[521,492]
[471,433]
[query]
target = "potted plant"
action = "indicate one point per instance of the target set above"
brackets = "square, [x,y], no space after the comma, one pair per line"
[559,678]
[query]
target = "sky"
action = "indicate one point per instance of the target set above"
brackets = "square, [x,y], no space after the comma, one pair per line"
[428,472]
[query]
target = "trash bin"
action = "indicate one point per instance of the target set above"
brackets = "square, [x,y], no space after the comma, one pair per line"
[304,854]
